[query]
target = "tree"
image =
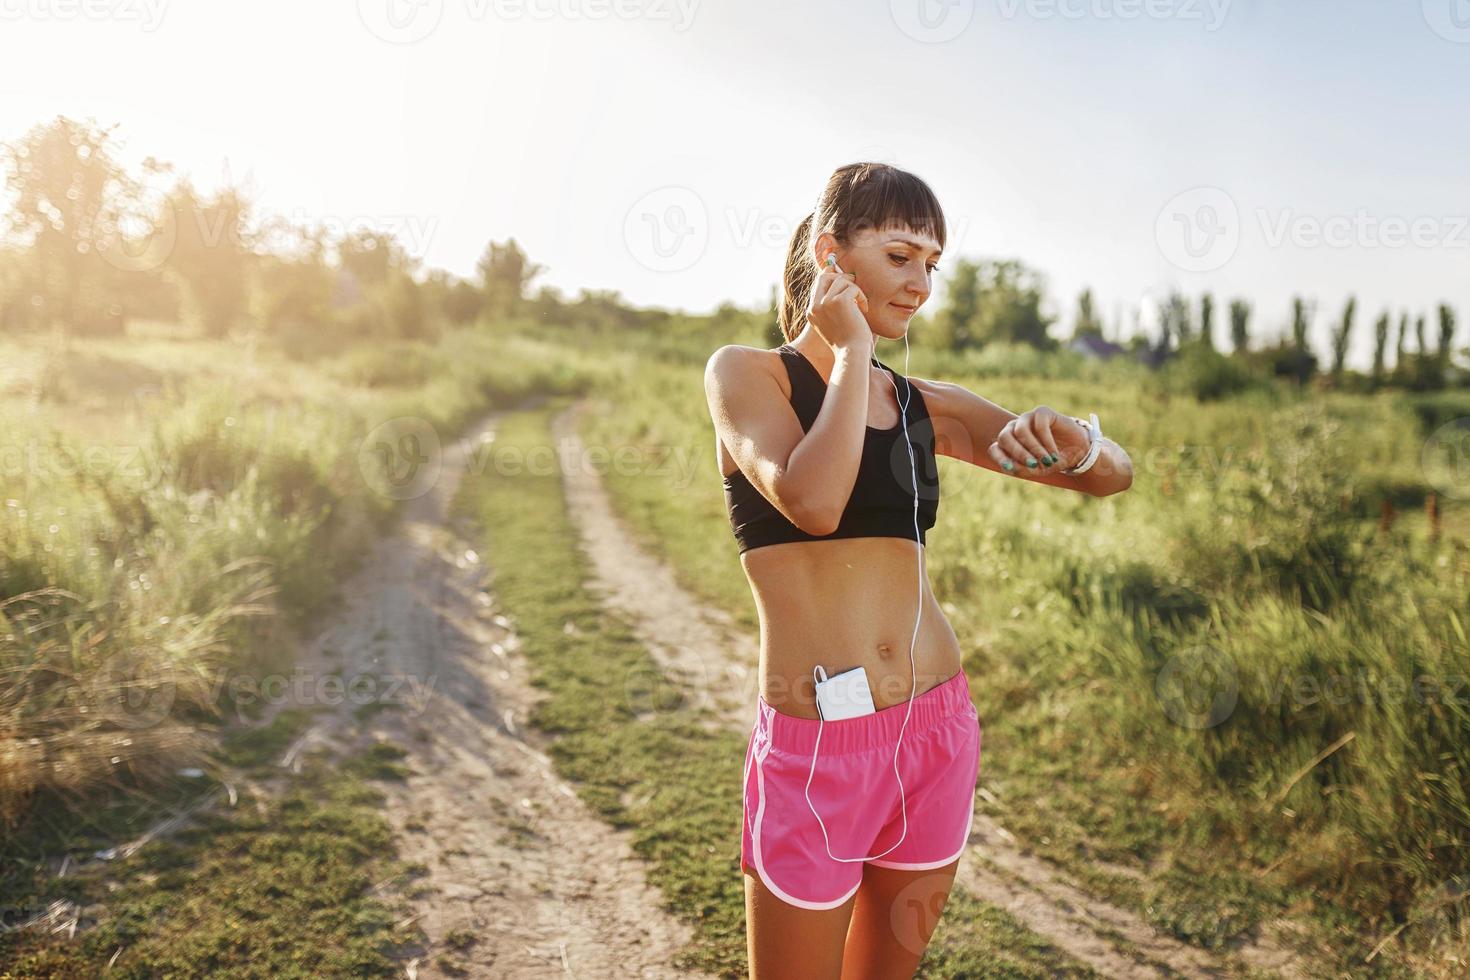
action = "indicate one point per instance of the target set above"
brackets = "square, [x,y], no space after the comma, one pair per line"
[70,194]
[208,256]
[1206,319]
[1398,351]
[1301,315]
[959,317]
[371,256]
[1087,322]
[505,273]
[1446,331]
[1010,305]
[1240,314]
[1294,358]
[1419,334]
[1341,336]
[294,286]
[1380,344]
[1174,318]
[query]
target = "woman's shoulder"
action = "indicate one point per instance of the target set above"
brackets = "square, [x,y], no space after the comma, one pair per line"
[926,387]
[736,367]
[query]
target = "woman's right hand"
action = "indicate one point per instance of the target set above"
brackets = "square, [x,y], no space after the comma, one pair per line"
[837,310]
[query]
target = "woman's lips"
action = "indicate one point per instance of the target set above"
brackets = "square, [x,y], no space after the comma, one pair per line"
[906,309]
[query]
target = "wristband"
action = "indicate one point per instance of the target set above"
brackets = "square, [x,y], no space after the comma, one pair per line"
[1094,444]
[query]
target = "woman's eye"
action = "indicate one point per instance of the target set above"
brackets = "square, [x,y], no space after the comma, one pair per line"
[901,259]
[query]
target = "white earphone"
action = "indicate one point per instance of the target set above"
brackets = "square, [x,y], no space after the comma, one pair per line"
[903,803]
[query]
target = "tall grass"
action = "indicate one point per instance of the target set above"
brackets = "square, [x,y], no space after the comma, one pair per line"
[141,572]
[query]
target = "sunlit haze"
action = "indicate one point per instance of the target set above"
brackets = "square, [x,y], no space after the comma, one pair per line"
[665,149]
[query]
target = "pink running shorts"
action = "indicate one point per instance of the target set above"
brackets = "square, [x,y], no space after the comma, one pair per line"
[855,791]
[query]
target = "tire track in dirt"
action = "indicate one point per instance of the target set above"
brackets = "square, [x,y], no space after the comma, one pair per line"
[522,879]
[716,668]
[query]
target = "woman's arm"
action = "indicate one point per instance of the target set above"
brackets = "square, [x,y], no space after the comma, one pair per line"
[807,476]
[976,430]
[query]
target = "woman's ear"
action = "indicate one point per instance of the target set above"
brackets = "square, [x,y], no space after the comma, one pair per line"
[826,244]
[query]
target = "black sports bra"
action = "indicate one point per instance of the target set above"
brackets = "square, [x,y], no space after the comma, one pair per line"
[882,499]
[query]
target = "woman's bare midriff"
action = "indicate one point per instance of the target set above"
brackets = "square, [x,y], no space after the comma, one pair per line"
[845,603]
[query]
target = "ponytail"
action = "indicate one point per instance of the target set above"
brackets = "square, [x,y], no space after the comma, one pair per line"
[796,283]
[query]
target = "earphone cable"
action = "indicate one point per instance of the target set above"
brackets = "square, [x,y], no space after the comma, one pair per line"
[913,642]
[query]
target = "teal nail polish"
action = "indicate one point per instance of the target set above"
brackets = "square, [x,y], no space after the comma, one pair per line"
[1031,461]
[1007,465]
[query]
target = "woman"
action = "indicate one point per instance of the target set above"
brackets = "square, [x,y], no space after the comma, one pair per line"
[855,823]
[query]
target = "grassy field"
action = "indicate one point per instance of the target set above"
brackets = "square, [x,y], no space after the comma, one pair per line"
[174,514]
[1227,680]
[1209,679]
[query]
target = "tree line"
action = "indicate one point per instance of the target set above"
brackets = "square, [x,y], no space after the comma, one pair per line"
[89,246]
[1001,301]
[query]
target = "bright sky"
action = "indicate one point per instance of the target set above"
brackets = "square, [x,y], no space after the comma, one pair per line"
[666,148]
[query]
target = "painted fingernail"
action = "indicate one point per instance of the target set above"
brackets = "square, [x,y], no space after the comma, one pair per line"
[1007,465]
[1031,461]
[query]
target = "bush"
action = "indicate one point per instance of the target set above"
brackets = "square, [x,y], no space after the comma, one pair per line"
[1207,375]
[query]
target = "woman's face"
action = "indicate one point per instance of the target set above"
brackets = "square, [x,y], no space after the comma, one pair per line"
[895,270]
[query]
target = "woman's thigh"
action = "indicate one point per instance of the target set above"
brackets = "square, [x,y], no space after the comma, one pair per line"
[895,916]
[785,940]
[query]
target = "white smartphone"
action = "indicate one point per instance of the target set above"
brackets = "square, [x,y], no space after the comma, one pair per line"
[844,695]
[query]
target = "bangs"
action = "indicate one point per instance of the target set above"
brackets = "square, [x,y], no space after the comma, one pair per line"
[884,197]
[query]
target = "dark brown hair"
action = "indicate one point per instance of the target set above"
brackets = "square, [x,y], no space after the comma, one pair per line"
[858,196]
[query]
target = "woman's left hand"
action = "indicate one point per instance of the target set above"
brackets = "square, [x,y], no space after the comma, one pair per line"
[1039,441]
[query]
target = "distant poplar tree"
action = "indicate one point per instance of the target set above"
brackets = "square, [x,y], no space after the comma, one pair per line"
[1176,323]
[1240,315]
[1342,335]
[1380,344]
[1446,331]
[1087,321]
[1299,317]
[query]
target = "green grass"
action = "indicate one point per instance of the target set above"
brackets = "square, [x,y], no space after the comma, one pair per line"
[639,757]
[280,885]
[182,510]
[170,554]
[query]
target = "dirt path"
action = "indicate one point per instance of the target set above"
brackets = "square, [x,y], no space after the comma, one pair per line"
[698,645]
[517,865]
